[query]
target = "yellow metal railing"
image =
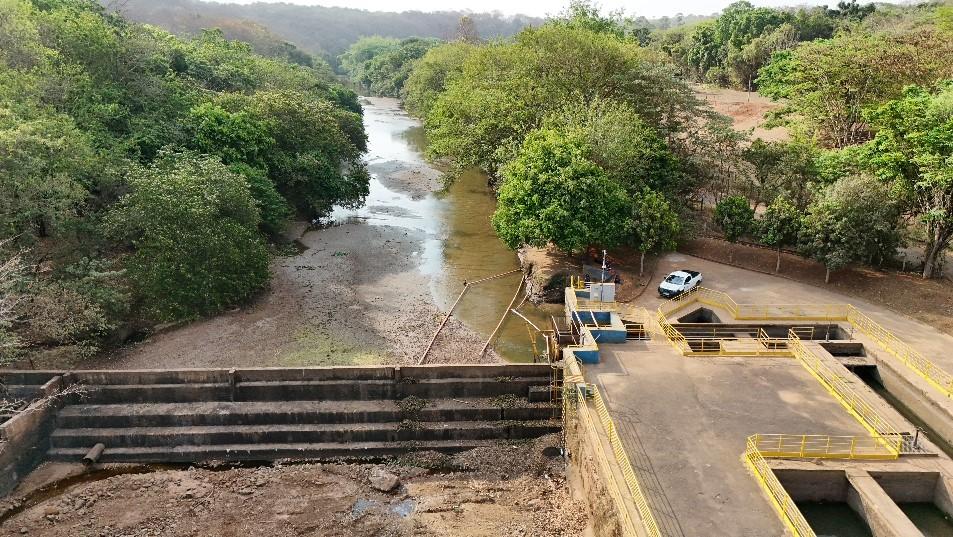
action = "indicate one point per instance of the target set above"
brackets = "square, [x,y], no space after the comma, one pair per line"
[572,376]
[635,489]
[919,364]
[856,405]
[810,446]
[780,499]
[926,369]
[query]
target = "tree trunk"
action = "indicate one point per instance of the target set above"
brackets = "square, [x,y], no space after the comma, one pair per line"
[827,275]
[641,264]
[777,266]
[935,248]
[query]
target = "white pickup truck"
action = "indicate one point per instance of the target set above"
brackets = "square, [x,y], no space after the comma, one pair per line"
[679,282]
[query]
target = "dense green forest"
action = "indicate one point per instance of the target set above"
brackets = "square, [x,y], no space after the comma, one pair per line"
[595,137]
[143,177]
[322,31]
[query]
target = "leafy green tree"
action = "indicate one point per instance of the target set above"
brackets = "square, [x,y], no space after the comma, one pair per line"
[551,194]
[655,225]
[274,209]
[780,226]
[914,148]
[827,84]
[786,168]
[386,73]
[428,79]
[631,152]
[44,169]
[854,220]
[587,15]
[735,217]
[191,224]
[314,164]
[235,137]
[852,10]
[503,91]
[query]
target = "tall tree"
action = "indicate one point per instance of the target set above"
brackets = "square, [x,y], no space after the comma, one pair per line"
[780,226]
[914,148]
[466,31]
[655,225]
[552,194]
[735,217]
[853,220]
[827,84]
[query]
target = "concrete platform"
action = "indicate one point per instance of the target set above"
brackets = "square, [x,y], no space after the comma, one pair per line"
[684,422]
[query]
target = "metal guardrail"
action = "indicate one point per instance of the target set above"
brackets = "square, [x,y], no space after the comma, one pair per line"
[812,446]
[933,374]
[856,405]
[572,376]
[635,489]
[780,499]
[922,366]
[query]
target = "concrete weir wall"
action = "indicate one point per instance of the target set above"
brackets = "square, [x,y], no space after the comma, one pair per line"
[23,438]
[193,415]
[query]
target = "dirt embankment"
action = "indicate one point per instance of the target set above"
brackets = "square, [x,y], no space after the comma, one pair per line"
[547,272]
[513,489]
[746,110]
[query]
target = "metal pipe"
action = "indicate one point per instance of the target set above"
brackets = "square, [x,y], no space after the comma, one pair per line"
[466,287]
[503,318]
[94,454]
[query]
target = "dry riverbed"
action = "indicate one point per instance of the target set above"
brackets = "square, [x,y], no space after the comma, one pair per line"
[513,489]
[352,296]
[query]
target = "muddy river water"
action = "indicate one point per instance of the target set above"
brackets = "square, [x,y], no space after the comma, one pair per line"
[460,243]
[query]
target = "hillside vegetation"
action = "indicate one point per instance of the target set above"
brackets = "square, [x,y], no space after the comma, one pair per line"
[595,139]
[142,176]
[320,30]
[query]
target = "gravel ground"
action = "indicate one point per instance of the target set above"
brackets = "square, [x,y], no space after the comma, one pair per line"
[477,493]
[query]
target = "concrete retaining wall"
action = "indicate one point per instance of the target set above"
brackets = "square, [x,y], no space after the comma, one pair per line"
[922,399]
[602,510]
[814,485]
[24,438]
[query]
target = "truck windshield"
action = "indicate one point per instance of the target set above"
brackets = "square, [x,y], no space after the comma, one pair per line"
[677,280]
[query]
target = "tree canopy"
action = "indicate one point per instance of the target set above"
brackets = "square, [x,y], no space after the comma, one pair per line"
[913,148]
[141,167]
[551,193]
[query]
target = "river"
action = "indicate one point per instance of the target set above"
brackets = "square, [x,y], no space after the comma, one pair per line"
[460,243]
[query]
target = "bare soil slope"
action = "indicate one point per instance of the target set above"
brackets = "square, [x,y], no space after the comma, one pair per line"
[746,110]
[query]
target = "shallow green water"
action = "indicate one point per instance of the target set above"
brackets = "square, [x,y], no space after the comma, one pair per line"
[929,519]
[834,520]
[460,245]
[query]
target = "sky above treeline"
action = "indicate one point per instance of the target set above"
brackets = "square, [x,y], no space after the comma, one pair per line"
[646,8]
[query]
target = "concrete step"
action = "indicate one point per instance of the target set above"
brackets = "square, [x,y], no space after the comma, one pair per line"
[301,412]
[267,452]
[338,390]
[300,433]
